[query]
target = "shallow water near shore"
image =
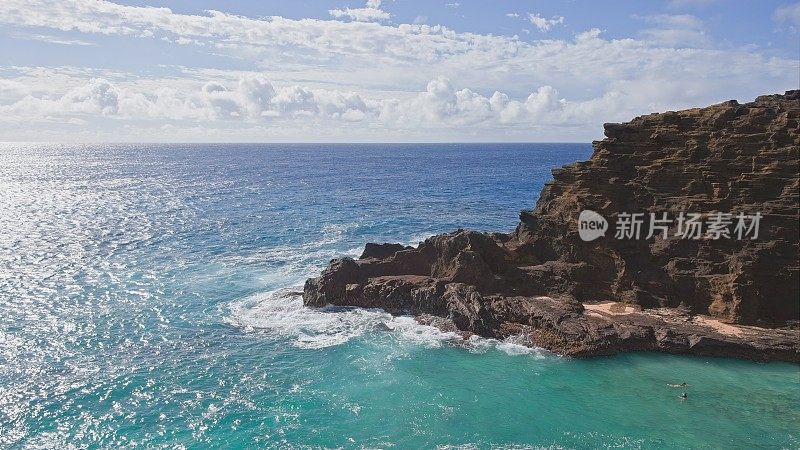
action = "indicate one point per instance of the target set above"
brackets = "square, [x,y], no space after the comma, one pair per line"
[148,297]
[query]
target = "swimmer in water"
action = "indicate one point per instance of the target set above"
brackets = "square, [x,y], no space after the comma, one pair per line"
[683,395]
[678,385]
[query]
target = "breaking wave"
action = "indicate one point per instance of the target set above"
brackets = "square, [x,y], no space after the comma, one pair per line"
[281,314]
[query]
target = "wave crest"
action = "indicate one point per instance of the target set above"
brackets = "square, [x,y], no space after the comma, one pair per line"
[281,314]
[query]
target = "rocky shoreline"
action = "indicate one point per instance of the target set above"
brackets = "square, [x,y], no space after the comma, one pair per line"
[546,287]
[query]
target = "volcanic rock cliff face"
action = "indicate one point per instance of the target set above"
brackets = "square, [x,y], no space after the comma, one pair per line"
[727,158]
[541,283]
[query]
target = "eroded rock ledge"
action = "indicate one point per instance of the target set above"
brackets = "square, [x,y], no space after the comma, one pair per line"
[544,285]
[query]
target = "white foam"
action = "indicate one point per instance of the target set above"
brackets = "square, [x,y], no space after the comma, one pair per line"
[514,349]
[281,313]
[424,335]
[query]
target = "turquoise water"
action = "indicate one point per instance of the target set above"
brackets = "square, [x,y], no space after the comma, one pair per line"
[148,299]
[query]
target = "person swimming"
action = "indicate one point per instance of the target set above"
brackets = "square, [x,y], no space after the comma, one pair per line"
[683,395]
[678,385]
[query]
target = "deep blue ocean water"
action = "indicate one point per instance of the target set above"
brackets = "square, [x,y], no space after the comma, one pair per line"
[148,299]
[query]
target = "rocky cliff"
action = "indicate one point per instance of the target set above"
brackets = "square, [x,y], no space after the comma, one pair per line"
[727,158]
[730,287]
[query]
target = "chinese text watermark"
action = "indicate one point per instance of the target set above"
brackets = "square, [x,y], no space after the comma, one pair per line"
[631,226]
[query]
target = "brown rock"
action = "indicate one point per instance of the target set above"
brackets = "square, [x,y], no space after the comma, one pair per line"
[380,251]
[728,158]
[534,282]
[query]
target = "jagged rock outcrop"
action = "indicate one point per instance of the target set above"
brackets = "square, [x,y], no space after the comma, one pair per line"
[537,281]
[728,158]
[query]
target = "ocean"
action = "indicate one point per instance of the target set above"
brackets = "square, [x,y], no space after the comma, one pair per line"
[149,299]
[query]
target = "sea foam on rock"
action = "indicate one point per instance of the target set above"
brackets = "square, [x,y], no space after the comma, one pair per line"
[536,281]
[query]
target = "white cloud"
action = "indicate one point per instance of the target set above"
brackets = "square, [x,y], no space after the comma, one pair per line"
[253,98]
[674,30]
[675,36]
[366,49]
[50,39]
[442,104]
[363,78]
[372,12]
[98,96]
[544,24]
[673,20]
[256,101]
[788,14]
[512,15]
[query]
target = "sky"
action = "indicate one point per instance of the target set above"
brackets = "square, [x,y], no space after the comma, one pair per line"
[378,70]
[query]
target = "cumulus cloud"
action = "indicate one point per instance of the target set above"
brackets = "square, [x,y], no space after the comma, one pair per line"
[372,12]
[443,104]
[375,75]
[253,98]
[544,24]
[97,97]
[257,107]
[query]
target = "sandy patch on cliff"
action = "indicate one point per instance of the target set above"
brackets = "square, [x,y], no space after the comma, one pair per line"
[721,327]
[610,308]
[669,315]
